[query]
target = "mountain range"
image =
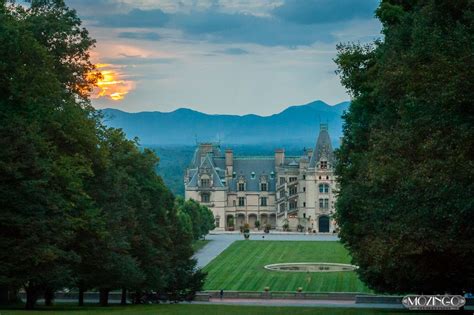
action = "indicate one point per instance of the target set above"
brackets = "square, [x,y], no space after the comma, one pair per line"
[294,125]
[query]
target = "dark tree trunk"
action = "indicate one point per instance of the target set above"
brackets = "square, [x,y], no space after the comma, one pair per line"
[81,296]
[31,297]
[104,297]
[48,297]
[124,297]
[4,295]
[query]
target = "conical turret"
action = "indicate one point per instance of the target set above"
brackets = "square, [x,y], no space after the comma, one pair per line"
[323,150]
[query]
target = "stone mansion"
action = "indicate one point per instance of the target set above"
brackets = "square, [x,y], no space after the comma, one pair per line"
[293,191]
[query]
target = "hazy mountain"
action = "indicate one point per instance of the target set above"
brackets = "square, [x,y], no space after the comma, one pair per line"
[297,125]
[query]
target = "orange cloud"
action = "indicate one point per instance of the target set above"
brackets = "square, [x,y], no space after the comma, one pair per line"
[111,85]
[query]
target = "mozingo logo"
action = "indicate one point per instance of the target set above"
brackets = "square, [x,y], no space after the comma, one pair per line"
[433,302]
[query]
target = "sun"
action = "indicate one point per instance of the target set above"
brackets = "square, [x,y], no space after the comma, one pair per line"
[111,85]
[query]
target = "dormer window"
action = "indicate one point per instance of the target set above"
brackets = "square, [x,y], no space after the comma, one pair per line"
[323,164]
[234,174]
[272,175]
[205,182]
[241,187]
[252,175]
[263,187]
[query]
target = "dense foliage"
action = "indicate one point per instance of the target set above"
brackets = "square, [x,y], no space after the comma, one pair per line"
[405,165]
[201,217]
[80,205]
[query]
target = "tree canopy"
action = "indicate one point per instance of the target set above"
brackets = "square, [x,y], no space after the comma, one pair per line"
[405,165]
[201,217]
[80,205]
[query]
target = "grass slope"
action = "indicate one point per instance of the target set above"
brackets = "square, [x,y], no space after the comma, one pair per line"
[241,267]
[199,309]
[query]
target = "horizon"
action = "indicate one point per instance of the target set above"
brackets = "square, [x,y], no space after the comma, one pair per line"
[224,114]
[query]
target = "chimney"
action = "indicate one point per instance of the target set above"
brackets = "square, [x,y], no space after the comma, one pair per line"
[229,161]
[279,157]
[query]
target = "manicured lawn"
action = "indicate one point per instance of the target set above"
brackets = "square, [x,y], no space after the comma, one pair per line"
[241,267]
[199,309]
[197,245]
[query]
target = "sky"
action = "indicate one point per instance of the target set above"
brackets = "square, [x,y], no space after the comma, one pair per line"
[222,56]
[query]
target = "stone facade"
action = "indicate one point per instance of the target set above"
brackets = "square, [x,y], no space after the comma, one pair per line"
[286,192]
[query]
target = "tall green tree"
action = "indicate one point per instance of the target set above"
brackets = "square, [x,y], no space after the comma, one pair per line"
[48,137]
[405,166]
[80,205]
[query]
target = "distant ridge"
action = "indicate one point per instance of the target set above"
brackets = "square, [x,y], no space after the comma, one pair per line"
[296,124]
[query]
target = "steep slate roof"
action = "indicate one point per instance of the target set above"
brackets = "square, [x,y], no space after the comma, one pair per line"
[198,153]
[207,163]
[323,147]
[244,166]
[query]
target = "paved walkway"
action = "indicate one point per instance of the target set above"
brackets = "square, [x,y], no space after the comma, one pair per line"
[301,303]
[219,242]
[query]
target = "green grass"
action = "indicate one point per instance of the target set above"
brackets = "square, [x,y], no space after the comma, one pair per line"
[197,245]
[241,267]
[199,309]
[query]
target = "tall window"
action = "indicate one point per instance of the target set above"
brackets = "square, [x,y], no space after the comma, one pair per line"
[324,203]
[263,186]
[218,219]
[241,186]
[205,197]
[324,188]
[282,207]
[293,205]
[293,190]
[205,182]
[324,164]
[241,201]
[263,201]
[293,179]
[282,180]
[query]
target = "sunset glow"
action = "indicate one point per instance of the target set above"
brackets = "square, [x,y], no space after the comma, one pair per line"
[111,85]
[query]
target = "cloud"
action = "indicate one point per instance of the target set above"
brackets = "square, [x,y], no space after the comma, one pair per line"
[136,18]
[138,60]
[293,23]
[325,11]
[232,51]
[153,36]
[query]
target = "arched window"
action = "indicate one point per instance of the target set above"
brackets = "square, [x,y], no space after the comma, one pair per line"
[324,188]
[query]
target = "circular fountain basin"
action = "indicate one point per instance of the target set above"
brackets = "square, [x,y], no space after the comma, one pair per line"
[310,267]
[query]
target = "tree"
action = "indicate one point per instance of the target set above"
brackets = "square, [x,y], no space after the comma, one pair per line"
[201,217]
[405,165]
[48,138]
[80,205]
